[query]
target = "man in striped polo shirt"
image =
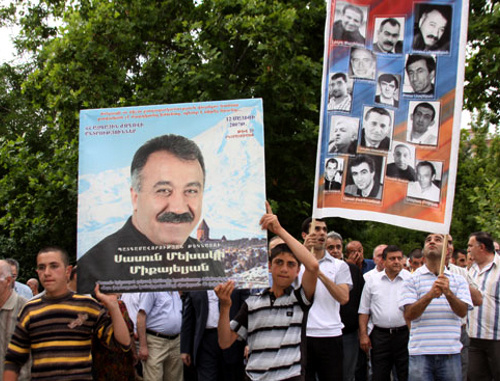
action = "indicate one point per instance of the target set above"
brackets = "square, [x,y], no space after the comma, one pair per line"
[434,304]
[484,321]
[272,322]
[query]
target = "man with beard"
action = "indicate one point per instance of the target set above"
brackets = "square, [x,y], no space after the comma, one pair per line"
[344,137]
[434,303]
[340,100]
[401,168]
[363,175]
[388,36]
[168,178]
[431,29]
[347,28]
[424,129]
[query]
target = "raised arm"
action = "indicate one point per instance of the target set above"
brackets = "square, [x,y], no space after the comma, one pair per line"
[340,292]
[270,222]
[226,336]
[120,330]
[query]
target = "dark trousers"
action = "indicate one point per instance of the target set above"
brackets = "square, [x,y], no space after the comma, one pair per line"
[325,357]
[484,360]
[361,373]
[389,348]
[210,362]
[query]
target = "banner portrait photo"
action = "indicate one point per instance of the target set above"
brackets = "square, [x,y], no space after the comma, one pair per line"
[170,197]
[392,92]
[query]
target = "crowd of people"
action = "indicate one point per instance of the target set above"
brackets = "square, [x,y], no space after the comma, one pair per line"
[330,314]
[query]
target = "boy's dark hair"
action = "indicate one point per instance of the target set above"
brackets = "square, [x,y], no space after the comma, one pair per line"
[416,253]
[455,253]
[306,224]
[57,249]
[280,249]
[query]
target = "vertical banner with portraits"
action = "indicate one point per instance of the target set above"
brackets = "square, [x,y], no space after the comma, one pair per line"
[170,197]
[390,111]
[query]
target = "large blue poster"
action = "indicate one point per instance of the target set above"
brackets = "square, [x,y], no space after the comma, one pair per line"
[170,197]
[390,112]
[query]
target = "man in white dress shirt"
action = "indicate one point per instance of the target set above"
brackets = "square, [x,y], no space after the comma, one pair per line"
[389,339]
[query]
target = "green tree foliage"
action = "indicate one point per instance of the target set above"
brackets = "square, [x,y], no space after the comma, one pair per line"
[483,64]
[95,54]
[477,195]
[137,52]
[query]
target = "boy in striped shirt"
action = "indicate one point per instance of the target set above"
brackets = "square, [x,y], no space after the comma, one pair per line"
[272,321]
[57,328]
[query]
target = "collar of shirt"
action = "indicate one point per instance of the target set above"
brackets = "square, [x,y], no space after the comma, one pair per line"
[399,275]
[287,291]
[327,257]
[424,270]
[495,262]
[10,303]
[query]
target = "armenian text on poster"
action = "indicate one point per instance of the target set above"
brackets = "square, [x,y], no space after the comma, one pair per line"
[170,197]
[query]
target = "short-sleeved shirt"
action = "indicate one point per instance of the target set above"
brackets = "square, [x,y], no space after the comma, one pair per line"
[23,290]
[324,315]
[484,320]
[163,311]
[273,329]
[438,329]
[380,299]
[463,272]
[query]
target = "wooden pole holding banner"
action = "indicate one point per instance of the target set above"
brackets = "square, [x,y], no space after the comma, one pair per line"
[312,228]
[444,253]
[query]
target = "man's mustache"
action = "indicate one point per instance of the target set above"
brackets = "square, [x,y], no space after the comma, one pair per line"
[432,37]
[175,218]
